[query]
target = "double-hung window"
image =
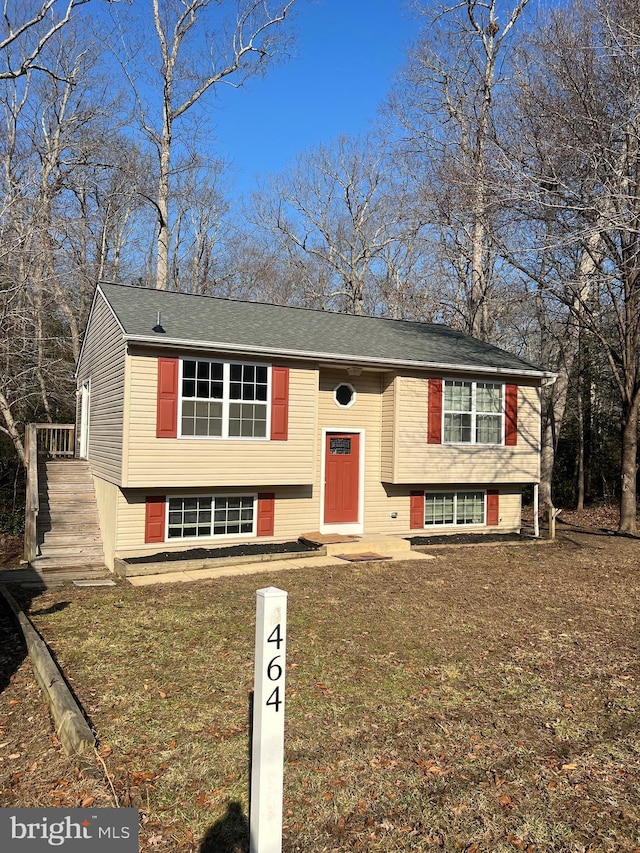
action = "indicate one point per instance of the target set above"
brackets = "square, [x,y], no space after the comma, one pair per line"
[473,412]
[224,400]
[454,508]
[207,516]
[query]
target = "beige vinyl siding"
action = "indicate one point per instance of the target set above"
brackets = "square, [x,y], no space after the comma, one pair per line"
[188,462]
[416,461]
[103,364]
[107,498]
[293,516]
[388,424]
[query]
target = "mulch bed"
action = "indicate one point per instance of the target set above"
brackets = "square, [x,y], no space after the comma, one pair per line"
[231,551]
[470,538]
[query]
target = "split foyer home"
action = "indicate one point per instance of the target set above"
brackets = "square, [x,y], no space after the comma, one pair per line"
[207,421]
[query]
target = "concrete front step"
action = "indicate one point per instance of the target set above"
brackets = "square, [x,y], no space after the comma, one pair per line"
[383,545]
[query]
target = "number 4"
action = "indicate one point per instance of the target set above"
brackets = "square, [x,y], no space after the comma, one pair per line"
[276,637]
[274,700]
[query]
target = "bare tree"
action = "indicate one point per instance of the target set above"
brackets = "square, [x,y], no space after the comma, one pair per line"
[199,230]
[240,39]
[446,105]
[62,213]
[580,114]
[334,220]
[26,28]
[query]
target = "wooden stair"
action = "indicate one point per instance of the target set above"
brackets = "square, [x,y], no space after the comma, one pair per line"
[68,529]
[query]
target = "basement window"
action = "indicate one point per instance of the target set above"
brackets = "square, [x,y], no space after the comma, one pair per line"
[206,516]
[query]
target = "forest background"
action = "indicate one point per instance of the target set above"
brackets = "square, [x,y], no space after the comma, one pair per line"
[498,191]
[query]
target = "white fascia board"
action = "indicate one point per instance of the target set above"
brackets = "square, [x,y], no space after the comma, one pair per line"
[233,349]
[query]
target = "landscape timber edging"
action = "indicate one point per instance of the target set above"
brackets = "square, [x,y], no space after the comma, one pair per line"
[71,727]
[124,569]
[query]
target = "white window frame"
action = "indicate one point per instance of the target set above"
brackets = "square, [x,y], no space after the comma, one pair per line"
[474,413]
[455,523]
[213,536]
[354,395]
[226,400]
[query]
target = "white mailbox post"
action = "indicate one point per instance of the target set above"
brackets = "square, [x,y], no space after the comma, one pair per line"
[267,752]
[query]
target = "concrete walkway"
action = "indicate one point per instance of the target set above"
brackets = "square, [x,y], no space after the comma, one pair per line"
[258,568]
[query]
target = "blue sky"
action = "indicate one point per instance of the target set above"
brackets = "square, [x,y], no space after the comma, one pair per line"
[345,57]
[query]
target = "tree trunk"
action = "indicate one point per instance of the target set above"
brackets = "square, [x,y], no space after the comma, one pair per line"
[580,459]
[12,427]
[552,417]
[629,466]
[162,269]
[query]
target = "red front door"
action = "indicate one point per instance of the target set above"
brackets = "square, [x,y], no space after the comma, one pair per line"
[341,477]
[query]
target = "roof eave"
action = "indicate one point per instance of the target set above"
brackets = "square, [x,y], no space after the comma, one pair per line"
[181,343]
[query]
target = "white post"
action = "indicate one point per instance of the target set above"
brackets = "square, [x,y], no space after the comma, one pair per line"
[267,752]
[536,509]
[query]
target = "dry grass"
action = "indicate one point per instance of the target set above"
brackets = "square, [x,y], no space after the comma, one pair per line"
[484,701]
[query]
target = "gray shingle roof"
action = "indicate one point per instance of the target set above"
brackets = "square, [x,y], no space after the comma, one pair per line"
[276,330]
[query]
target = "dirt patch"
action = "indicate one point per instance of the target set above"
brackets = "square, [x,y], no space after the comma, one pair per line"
[10,550]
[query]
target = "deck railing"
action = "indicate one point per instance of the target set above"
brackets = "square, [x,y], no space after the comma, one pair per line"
[49,441]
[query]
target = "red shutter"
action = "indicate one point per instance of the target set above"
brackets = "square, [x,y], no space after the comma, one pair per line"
[416,511]
[493,507]
[279,403]
[435,412]
[266,514]
[154,518]
[167,415]
[511,415]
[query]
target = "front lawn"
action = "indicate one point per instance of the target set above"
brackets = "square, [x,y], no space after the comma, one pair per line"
[486,700]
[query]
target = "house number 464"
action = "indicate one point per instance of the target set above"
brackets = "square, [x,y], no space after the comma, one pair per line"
[275,670]
[267,749]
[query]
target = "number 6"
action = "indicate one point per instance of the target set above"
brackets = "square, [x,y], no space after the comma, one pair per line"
[273,665]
